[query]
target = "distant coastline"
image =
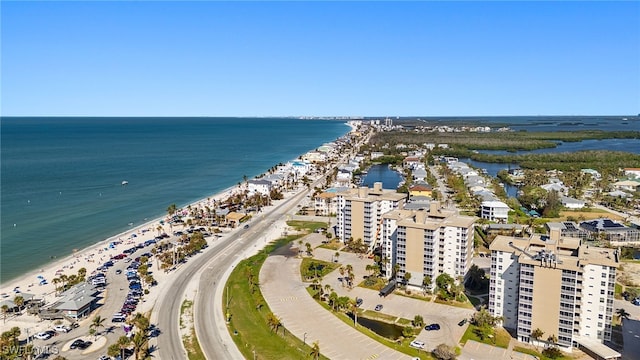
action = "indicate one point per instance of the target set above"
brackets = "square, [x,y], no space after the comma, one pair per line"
[64,197]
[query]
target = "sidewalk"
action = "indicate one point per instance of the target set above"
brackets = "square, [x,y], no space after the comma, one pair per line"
[287,297]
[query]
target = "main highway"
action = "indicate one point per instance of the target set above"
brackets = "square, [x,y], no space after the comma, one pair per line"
[212,268]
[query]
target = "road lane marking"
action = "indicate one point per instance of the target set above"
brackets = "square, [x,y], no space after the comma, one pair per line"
[289,298]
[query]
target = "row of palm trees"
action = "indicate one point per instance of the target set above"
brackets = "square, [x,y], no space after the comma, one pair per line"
[68,281]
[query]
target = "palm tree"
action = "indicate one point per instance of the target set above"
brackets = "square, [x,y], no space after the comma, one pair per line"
[536,334]
[141,322]
[5,310]
[97,322]
[139,342]
[622,314]
[123,343]
[172,209]
[19,301]
[353,308]
[56,281]
[315,350]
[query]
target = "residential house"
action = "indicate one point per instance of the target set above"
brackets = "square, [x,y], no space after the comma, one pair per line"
[259,186]
[571,203]
[627,185]
[494,211]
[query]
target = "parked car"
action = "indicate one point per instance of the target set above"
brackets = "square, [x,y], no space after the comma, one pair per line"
[432,327]
[43,335]
[417,344]
[462,322]
[359,301]
[80,344]
[61,328]
[378,307]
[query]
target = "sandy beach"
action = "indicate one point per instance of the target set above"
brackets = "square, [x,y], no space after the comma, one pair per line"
[39,282]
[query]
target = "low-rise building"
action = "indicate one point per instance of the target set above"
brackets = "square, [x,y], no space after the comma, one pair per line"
[494,210]
[571,203]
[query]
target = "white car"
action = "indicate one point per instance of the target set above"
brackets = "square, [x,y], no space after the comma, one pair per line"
[42,335]
[61,328]
[417,344]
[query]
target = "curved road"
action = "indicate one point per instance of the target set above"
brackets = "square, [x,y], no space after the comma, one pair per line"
[209,267]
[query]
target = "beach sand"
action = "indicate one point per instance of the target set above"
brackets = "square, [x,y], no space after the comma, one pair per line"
[92,257]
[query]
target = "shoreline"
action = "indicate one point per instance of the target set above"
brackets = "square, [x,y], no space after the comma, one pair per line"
[94,255]
[84,257]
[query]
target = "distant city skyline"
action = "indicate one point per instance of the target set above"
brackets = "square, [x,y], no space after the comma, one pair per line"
[323,59]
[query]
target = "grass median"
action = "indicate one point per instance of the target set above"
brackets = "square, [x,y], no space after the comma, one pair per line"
[251,323]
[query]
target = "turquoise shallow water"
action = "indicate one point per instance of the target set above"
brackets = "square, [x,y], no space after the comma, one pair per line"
[61,177]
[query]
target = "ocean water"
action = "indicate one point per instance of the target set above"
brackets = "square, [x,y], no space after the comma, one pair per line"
[61,177]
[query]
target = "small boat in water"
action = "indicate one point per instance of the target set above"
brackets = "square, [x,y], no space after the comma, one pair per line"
[125,183]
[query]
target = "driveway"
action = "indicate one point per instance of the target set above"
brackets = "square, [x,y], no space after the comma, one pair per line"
[287,297]
[397,305]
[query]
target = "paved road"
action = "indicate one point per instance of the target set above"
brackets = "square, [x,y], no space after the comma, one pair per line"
[209,319]
[303,317]
[630,330]
[210,270]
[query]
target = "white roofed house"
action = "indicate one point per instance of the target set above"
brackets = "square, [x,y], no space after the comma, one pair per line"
[343,177]
[571,203]
[276,179]
[494,211]
[376,154]
[315,156]
[259,186]
[419,174]
[632,172]
[627,185]
[556,186]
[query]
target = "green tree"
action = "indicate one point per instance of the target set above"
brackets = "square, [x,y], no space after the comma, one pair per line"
[5,310]
[140,344]
[418,321]
[443,352]
[536,334]
[97,322]
[406,278]
[315,350]
[172,209]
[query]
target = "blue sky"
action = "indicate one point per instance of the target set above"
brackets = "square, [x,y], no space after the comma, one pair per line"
[320,58]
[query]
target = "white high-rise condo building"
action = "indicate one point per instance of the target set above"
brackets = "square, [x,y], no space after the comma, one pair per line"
[359,212]
[427,243]
[557,285]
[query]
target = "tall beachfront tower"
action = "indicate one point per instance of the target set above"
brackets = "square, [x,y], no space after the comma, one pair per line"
[427,242]
[359,212]
[554,284]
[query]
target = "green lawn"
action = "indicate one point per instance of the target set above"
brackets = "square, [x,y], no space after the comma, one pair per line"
[465,304]
[324,267]
[249,320]
[537,353]
[618,291]
[332,245]
[501,337]
[310,226]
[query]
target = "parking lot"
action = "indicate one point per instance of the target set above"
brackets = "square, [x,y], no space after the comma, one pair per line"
[446,316]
